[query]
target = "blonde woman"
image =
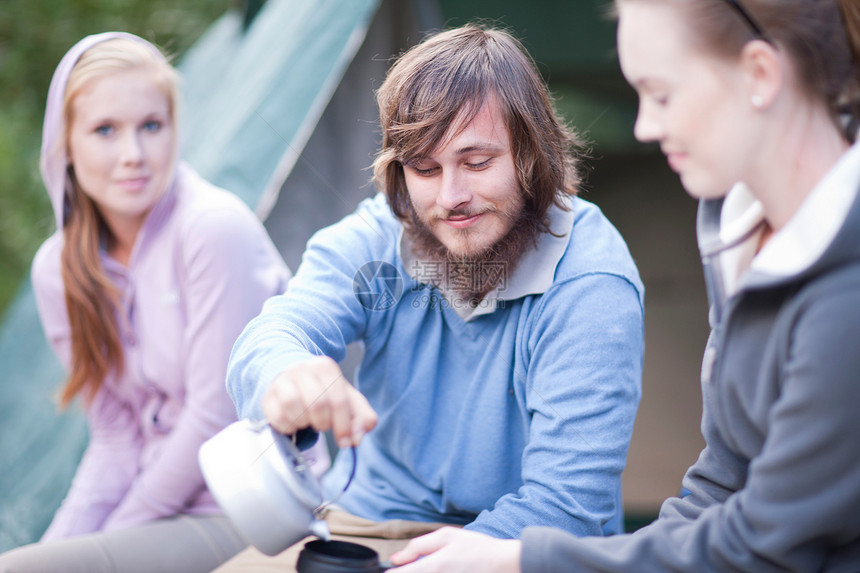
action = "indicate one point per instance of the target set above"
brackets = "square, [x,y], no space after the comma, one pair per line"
[142,290]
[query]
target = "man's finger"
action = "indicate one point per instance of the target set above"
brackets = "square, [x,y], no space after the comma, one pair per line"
[278,406]
[316,396]
[340,404]
[365,413]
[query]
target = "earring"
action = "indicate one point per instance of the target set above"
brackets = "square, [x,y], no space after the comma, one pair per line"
[757,101]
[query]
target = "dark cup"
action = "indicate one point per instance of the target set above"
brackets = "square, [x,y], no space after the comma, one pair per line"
[320,556]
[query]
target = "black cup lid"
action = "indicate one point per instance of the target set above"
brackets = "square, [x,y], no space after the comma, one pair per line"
[336,557]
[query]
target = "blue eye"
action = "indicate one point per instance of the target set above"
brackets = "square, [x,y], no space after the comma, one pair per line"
[152,125]
[104,130]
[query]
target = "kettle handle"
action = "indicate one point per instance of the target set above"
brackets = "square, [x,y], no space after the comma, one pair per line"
[289,451]
[318,511]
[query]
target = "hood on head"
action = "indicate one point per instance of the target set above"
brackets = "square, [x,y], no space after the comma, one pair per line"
[53,161]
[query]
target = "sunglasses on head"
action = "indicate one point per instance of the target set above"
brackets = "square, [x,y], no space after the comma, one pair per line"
[743,13]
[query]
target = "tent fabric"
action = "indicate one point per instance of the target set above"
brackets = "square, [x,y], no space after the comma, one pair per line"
[332,174]
[298,51]
[251,100]
[39,446]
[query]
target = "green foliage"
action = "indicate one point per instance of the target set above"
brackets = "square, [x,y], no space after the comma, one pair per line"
[34,35]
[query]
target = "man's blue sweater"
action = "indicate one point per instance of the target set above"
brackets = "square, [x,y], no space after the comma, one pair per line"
[520,415]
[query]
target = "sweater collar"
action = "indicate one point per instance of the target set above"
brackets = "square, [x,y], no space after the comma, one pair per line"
[730,230]
[806,236]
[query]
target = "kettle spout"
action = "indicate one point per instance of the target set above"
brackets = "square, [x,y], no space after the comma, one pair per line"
[320,529]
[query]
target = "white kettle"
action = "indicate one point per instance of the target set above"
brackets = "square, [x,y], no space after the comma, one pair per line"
[258,477]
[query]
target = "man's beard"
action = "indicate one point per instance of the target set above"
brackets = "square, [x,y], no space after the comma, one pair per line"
[472,275]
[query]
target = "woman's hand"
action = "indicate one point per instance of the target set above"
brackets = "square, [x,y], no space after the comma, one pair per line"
[314,393]
[453,550]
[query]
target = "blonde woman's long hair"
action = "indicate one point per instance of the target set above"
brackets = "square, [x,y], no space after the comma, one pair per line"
[92,300]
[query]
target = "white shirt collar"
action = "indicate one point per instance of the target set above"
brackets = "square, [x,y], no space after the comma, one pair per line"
[810,231]
[801,241]
[740,216]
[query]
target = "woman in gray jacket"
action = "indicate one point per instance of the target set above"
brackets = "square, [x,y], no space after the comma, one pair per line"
[755,105]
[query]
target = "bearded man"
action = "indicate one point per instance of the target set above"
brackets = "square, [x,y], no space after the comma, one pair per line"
[501,318]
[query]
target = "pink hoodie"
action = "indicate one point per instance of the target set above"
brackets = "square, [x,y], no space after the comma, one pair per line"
[201,268]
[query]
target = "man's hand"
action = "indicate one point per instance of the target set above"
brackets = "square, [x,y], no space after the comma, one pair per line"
[314,393]
[455,550]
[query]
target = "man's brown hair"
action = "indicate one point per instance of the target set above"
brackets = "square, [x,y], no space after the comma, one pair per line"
[445,80]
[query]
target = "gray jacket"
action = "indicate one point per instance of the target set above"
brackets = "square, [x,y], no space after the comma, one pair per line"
[777,487]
